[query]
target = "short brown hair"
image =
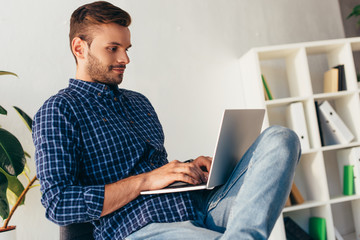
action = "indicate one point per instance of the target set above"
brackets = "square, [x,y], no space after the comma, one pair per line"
[90,15]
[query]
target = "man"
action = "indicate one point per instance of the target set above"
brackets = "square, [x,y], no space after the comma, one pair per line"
[98,147]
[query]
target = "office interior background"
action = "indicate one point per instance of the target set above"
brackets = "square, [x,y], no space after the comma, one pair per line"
[185,59]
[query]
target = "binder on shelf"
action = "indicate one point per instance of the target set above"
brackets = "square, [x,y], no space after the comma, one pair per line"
[319,123]
[348,180]
[294,231]
[334,129]
[296,121]
[349,157]
[268,94]
[317,228]
[331,80]
[337,234]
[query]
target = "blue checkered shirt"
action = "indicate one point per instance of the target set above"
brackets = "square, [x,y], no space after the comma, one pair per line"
[89,135]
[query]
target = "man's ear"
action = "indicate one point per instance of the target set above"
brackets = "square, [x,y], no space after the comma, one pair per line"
[78,47]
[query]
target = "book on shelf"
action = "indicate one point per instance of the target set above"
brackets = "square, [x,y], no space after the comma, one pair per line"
[294,231]
[333,128]
[349,157]
[342,78]
[288,202]
[267,91]
[295,117]
[295,195]
[334,79]
[266,95]
[331,79]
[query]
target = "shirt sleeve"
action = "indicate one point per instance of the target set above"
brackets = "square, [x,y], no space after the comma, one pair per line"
[56,138]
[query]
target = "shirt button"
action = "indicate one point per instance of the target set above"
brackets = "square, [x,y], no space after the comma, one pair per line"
[115,99]
[149,114]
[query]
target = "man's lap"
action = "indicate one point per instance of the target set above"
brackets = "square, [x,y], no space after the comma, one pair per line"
[268,171]
[177,230]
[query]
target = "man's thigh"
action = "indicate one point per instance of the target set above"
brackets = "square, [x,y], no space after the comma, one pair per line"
[174,231]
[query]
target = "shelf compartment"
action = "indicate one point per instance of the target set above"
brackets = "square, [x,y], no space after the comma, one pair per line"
[277,116]
[301,217]
[343,106]
[326,57]
[310,178]
[333,175]
[286,73]
[344,220]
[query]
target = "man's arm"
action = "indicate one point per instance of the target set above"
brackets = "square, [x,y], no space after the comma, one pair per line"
[56,141]
[120,193]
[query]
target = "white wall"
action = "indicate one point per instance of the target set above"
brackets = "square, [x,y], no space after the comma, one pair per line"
[184,59]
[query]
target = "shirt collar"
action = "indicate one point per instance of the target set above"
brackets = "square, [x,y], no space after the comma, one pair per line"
[93,87]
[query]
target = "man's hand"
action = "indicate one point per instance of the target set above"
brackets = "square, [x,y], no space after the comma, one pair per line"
[194,172]
[120,193]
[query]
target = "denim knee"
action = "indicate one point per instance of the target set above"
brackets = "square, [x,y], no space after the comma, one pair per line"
[283,137]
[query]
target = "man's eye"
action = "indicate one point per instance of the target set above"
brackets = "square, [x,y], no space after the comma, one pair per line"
[112,49]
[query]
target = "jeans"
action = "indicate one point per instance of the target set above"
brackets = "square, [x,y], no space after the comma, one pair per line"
[248,205]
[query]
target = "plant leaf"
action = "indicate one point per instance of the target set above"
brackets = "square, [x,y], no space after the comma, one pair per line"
[8,73]
[14,189]
[355,12]
[12,158]
[27,120]
[4,205]
[3,111]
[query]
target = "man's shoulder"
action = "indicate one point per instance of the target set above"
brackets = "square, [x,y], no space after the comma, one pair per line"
[63,97]
[58,102]
[133,95]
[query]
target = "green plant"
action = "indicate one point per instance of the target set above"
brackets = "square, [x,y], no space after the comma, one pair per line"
[355,13]
[12,165]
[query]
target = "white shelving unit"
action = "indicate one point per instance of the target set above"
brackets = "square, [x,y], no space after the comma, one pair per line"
[294,73]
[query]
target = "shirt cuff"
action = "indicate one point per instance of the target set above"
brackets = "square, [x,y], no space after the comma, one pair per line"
[94,200]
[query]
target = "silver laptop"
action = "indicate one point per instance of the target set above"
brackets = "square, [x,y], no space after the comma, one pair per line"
[238,130]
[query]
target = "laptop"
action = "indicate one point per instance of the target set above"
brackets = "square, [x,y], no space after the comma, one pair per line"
[239,128]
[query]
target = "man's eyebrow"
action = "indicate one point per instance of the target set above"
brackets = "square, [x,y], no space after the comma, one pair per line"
[118,44]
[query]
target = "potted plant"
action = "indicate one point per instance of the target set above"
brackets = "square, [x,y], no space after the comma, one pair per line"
[12,165]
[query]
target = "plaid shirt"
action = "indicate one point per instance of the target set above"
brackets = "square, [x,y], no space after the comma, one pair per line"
[87,136]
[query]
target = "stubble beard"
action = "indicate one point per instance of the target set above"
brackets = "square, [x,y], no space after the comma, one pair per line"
[100,73]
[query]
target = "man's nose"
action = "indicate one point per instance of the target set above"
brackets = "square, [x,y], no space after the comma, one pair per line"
[123,58]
